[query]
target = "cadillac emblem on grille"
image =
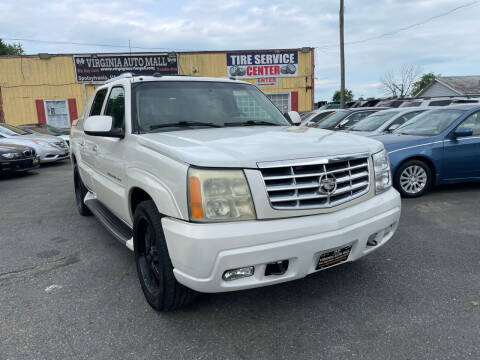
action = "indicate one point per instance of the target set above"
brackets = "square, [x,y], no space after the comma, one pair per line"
[327,184]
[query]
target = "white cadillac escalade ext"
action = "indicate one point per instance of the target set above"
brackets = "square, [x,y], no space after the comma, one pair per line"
[215,190]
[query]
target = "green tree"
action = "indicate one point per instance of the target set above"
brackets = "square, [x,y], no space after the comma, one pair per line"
[422,83]
[10,49]
[348,96]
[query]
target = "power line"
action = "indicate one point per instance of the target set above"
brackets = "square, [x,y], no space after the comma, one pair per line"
[92,44]
[408,27]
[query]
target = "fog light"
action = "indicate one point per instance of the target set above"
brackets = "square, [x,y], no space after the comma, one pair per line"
[372,240]
[388,230]
[239,273]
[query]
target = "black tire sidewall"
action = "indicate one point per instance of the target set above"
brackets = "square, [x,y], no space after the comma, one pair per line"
[82,190]
[422,164]
[171,294]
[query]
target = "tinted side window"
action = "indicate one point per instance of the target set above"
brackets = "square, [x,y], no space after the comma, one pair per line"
[472,122]
[354,118]
[98,102]
[440,103]
[321,116]
[116,107]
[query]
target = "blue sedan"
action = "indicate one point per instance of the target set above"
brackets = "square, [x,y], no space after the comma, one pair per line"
[437,147]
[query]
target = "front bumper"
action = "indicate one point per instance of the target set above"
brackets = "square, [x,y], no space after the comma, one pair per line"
[201,253]
[54,155]
[8,166]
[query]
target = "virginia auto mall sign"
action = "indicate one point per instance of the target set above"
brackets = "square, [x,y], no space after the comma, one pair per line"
[99,68]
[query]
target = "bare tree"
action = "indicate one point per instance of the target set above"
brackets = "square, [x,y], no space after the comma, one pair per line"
[400,83]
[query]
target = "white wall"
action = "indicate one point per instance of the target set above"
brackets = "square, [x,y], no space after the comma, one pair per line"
[438,89]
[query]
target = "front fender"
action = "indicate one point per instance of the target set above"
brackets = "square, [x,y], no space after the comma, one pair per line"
[165,198]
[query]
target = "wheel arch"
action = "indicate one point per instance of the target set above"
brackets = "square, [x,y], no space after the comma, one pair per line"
[424,159]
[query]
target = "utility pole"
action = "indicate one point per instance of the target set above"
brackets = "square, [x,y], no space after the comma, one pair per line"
[342,60]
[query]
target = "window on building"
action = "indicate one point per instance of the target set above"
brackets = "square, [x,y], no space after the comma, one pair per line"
[116,107]
[247,104]
[98,102]
[57,113]
[281,101]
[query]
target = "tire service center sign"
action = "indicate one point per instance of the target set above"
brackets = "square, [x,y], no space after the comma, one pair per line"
[262,65]
[99,68]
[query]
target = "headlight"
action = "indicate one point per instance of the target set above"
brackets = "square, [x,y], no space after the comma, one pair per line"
[41,143]
[383,174]
[219,195]
[9,155]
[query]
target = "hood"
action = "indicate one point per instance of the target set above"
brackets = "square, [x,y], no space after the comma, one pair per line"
[12,147]
[399,141]
[42,137]
[243,147]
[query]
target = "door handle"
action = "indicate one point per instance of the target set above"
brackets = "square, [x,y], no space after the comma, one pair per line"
[95,148]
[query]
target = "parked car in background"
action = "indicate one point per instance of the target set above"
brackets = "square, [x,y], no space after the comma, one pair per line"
[436,147]
[393,103]
[17,158]
[439,101]
[384,121]
[45,129]
[332,105]
[315,116]
[345,118]
[48,148]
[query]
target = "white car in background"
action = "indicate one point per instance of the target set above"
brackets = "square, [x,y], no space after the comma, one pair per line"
[48,148]
[316,115]
[46,129]
[384,121]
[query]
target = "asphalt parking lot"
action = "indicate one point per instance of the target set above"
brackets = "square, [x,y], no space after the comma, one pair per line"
[69,290]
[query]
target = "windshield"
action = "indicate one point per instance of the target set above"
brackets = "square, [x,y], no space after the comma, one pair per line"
[10,130]
[173,105]
[315,117]
[331,121]
[429,123]
[48,130]
[373,122]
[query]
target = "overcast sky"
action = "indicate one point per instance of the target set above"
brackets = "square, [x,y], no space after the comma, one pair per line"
[448,45]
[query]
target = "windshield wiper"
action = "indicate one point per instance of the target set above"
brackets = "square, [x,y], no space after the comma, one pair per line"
[251,123]
[184,124]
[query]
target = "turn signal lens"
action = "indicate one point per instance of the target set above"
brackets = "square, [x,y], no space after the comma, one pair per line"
[196,208]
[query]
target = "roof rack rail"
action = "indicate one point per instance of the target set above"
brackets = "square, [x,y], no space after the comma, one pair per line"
[121,76]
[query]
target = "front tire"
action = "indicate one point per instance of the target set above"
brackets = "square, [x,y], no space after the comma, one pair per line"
[413,178]
[80,192]
[154,267]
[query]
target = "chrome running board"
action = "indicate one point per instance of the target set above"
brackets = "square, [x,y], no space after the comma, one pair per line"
[120,231]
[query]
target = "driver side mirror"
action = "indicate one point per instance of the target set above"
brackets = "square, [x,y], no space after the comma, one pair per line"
[294,117]
[101,125]
[463,132]
[392,128]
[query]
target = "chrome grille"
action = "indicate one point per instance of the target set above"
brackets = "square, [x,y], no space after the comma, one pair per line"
[296,185]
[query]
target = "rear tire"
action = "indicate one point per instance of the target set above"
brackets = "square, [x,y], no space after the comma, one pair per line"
[413,178]
[80,192]
[154,267]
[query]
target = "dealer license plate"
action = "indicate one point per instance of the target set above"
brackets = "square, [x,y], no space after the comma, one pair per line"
[333,257]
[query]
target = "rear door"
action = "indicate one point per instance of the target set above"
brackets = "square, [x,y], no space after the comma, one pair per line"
[462,155]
